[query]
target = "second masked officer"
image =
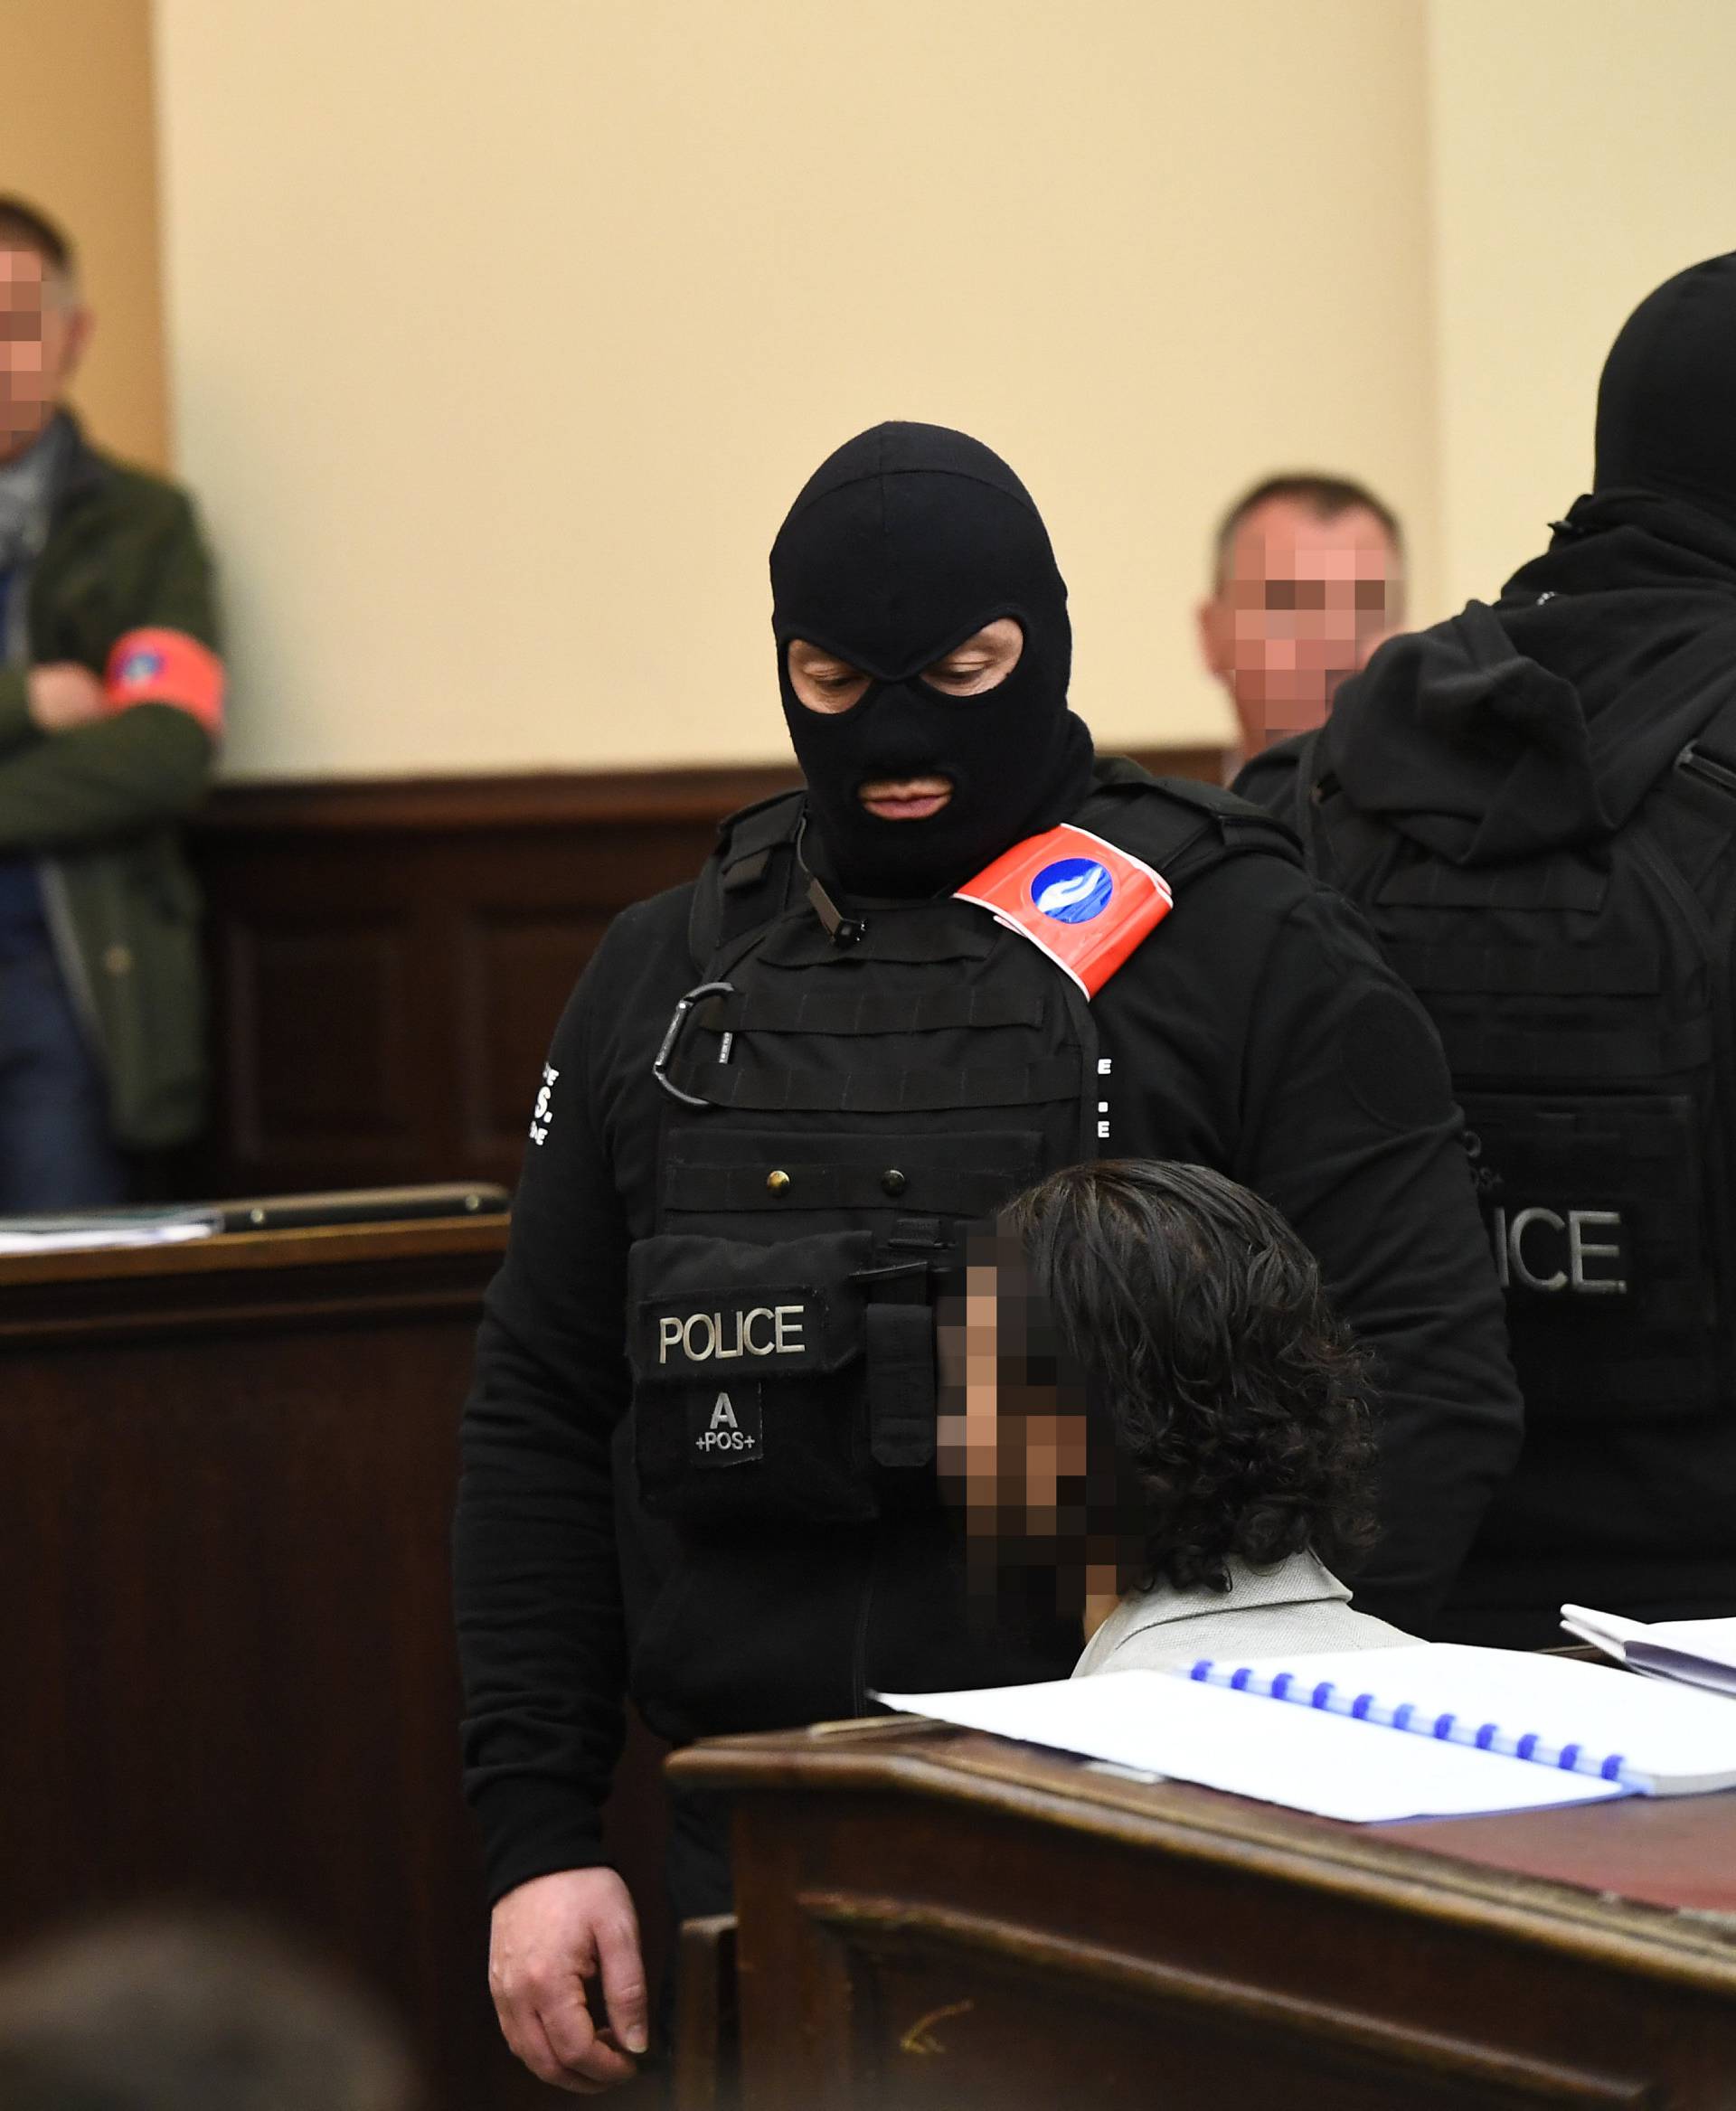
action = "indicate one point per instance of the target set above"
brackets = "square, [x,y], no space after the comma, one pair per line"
[699,1456]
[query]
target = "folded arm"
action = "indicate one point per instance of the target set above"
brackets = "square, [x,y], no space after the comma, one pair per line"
[147,758]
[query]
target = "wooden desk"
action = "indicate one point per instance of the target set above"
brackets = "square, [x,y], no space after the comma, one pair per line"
[226,1670]
[928,1920]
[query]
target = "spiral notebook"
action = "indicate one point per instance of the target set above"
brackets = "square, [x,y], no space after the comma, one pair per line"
[1429,1730]
[1548,1711]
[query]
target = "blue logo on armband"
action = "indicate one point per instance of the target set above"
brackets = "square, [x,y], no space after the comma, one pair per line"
[1072,891]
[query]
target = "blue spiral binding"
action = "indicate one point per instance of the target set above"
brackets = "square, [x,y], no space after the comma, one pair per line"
[1406,1715]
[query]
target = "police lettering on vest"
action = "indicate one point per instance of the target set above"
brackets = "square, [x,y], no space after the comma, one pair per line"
[1582,1253]
[767,1330]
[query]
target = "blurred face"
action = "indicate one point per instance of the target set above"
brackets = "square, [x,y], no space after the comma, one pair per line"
[1015,1451]
[1303,602]
[42,334]
[1007,1443]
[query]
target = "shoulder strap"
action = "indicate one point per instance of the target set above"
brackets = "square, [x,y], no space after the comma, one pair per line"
[1313,785]
[1177,825]
[745,879]
[1181,826]
[1344,848]
[1711,755]
[1701,672]
[1690,816]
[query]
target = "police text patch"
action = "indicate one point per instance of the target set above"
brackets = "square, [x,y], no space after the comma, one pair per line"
[713,1335]
[1542,1252]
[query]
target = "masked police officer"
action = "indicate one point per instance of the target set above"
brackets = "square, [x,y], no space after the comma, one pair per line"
[699,1457]
[1534,802]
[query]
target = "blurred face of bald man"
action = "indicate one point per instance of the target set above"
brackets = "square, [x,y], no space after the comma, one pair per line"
[44,330]
[1302,602]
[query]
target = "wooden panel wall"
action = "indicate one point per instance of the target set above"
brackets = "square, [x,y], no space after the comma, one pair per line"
[389,958]
[228,1473]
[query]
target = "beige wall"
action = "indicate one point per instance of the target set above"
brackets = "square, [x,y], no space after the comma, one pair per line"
[78,140]
[501,335]
[1583,150]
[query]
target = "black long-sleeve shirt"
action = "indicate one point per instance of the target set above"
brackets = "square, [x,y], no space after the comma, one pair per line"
[1256,1031]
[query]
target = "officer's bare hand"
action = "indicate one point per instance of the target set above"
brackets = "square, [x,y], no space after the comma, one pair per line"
[62,694]
[550,1936]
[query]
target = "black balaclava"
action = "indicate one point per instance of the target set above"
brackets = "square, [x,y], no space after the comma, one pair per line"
[1505,735]
[1645,561]
[902,544]
[1666,404]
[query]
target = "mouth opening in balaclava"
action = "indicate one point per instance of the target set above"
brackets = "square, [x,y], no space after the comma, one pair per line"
[1666,403]
[902,544]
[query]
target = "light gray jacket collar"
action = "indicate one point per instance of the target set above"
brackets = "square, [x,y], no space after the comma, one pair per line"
[1301,1581]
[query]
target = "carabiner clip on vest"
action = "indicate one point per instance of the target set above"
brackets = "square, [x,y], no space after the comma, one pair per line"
[678,1019]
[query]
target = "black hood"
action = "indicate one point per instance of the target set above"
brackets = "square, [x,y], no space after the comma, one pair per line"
[1461,741]
[903,543]
[1489,738]
[1542,723]
[1667,401]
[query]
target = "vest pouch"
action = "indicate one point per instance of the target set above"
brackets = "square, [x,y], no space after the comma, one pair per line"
[750,1378]
[901,1379]
[1597,1212]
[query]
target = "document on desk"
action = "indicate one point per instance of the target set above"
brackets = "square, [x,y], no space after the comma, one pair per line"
[77,1231]
[1699,1653]
[1304,1759]
[1430,1729]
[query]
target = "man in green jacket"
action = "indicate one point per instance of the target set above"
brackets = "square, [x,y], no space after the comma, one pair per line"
[111,697]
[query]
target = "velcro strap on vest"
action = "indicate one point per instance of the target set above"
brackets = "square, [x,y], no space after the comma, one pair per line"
[962,1192]
[1086,903]
[166,666]
[846,1013]
[1485,1051]
[1555,971]
[922,939]
[1570,883]
[911,1091]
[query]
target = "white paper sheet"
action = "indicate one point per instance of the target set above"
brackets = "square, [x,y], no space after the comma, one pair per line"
[1271,1749]
[1606,1631]
[1698,1653]
[1684,1740]
[1715,1640]
[105,1230]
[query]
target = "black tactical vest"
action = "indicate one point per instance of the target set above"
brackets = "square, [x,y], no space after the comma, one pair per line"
[1584,1002]
[845,1098]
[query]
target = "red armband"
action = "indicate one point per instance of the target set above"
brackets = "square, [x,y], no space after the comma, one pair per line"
[1086,903]
[166,666]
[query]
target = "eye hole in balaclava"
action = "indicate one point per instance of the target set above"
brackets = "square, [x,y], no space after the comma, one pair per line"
[906,543]
[977,668]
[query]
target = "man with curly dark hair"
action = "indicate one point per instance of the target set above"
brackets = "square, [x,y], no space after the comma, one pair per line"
[1150,1347]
